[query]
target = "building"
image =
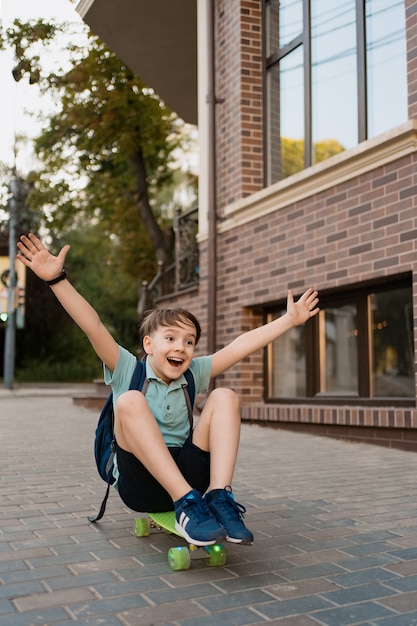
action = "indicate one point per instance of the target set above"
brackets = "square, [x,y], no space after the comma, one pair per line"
[307,114]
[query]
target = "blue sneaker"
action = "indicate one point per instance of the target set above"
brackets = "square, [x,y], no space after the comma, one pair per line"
[229,514]
[194,521]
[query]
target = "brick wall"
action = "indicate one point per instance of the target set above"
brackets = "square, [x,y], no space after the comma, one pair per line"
[239,89]
[362,229]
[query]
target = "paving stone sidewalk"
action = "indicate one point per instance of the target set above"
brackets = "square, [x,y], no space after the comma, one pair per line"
[335,527]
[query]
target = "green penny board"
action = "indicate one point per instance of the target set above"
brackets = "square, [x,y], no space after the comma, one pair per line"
[178,557]
[166,521]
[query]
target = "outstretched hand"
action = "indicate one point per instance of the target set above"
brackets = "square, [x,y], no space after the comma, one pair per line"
[304,308]
[34,255]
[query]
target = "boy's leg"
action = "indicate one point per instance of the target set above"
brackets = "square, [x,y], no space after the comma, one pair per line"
[218,431]
[137,432]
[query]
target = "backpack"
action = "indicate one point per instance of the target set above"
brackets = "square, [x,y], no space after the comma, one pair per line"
[104,440]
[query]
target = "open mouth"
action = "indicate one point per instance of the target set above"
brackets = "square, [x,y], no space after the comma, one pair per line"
[175,362]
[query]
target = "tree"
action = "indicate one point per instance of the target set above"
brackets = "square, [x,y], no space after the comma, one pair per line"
[26,219]
[107,150]
[105,158]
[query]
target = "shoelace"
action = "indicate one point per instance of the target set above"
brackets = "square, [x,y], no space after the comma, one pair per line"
[238,509]
[195,508]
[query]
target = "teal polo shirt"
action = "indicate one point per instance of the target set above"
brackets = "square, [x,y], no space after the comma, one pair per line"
[167,402]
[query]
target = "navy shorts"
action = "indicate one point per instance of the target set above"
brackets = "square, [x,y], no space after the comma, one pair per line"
[141,492]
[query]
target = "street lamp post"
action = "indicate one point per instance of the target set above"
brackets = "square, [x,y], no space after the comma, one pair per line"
[10,334]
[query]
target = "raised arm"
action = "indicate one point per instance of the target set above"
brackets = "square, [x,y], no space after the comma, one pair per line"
[46,266]
[244,345]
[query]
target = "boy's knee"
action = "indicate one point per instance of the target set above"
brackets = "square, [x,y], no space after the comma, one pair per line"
[129,403]
[223,396]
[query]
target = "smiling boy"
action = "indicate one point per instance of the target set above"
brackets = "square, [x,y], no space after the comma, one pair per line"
[162,464]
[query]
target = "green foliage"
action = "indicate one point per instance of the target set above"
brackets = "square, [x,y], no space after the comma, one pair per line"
[23,38]
[325,149]
[107,116]
[79,364]
[96,267]
[292,151]
[52,347]
[105,158]
[115,140]
[108,148]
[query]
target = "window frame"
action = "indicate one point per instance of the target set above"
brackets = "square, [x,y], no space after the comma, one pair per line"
[360,294]
[304,39]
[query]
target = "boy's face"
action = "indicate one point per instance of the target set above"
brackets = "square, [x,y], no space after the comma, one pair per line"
[170,350]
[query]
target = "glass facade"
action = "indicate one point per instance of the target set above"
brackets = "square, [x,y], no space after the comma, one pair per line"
[291,100]
[358,347]
[290,20]
[334,79]
[386,65]
[336,75]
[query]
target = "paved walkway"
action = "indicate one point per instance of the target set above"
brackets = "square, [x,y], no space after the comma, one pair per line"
[335,526]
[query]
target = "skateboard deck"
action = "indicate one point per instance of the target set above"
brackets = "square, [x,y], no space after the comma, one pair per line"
[179,557]
[166,521]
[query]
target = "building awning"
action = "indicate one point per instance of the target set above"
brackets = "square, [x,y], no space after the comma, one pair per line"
[157,39]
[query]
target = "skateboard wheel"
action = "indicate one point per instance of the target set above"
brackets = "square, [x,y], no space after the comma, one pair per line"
[179,558]
[141,527]
[216,555]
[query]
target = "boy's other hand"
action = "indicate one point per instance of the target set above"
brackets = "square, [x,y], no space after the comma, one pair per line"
[34,255]
[304,308]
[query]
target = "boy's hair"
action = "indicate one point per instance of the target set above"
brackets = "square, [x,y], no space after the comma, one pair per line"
[169,317]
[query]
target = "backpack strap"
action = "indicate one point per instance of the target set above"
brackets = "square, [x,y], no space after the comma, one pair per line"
[139,377]
[189,393]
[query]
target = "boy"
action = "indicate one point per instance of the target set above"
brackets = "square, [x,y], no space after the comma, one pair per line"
[160,465]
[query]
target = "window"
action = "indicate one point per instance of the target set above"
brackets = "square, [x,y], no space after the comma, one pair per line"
[359,347]
[329,66]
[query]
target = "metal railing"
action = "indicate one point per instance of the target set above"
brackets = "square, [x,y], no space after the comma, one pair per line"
[184,272]
[186,249]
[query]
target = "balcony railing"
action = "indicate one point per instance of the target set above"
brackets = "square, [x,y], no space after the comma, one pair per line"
[186,249]
[184,272]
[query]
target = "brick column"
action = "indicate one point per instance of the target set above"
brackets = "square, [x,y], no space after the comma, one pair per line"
[239,88]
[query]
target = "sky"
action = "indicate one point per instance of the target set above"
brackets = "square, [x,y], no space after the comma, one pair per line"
[18,100]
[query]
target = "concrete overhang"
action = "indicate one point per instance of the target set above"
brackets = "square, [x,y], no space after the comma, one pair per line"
[157,39]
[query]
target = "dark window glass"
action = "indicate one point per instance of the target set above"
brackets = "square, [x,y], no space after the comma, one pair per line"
[360,346]
[392,338]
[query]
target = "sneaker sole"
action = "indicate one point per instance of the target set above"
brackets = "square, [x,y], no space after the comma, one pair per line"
[197,542]
[244,542]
